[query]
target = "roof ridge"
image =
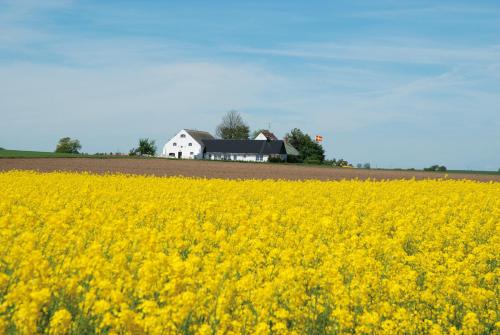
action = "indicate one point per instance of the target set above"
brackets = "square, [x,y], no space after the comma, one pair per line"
[201,131]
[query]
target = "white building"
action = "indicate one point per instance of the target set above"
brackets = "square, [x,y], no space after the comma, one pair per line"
[187,144]
[244,150]
[195,144]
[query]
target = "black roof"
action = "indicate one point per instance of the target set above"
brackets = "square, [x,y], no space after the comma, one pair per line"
[245,147]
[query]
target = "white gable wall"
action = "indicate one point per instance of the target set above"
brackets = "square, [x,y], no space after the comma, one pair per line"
[261,137]
[185,144]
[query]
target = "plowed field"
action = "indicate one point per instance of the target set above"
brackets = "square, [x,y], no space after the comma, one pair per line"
[228,170]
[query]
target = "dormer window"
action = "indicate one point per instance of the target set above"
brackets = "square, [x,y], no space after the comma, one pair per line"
[190,144]
[183,135]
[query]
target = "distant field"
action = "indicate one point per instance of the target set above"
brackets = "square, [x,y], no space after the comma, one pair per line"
[34,154]
[475,172]
[45,154]
[224,170]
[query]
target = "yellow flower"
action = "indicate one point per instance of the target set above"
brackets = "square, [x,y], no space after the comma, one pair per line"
[471,324]
[137,254]
[60,322]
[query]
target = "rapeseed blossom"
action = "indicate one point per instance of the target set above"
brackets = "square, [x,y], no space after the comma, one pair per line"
[117,254]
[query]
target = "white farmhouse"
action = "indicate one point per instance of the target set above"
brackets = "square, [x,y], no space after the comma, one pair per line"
[196,144]
[187,144]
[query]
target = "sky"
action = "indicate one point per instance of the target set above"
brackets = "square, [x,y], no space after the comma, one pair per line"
[398,84]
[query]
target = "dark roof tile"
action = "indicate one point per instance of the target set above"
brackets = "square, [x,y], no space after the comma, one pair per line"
[199,135]
[245,147]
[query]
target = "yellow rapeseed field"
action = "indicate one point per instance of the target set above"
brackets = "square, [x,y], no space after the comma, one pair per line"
[116,254]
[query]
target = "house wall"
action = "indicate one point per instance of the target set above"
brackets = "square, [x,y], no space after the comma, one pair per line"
[195,151]
[235,157]
[239,157]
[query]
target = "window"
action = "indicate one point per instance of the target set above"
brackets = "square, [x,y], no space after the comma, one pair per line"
[171,154]
[191,153]
[235,157]
[174,144]
[190,144]
[183,135]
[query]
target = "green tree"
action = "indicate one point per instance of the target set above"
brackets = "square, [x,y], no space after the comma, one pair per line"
[68,146]
[146,147]
[233,127]
[309,150]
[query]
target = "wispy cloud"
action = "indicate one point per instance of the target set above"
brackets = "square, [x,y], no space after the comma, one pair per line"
[404,10]
[18,18]
[382,53]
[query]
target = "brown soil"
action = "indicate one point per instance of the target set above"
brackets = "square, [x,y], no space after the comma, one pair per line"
[228,170]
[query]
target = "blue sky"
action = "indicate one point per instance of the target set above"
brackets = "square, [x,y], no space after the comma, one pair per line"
[393,83]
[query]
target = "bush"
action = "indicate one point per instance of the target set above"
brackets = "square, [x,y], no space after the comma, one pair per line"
[436,168]
[293,159]
[312,161]
[339,163]
[146,147]
[275,160]
[359,165]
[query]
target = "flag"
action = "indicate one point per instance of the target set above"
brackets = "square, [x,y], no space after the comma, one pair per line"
[319,138]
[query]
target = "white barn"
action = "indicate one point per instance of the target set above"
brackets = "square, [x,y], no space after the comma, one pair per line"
[196,144]
[186,144]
